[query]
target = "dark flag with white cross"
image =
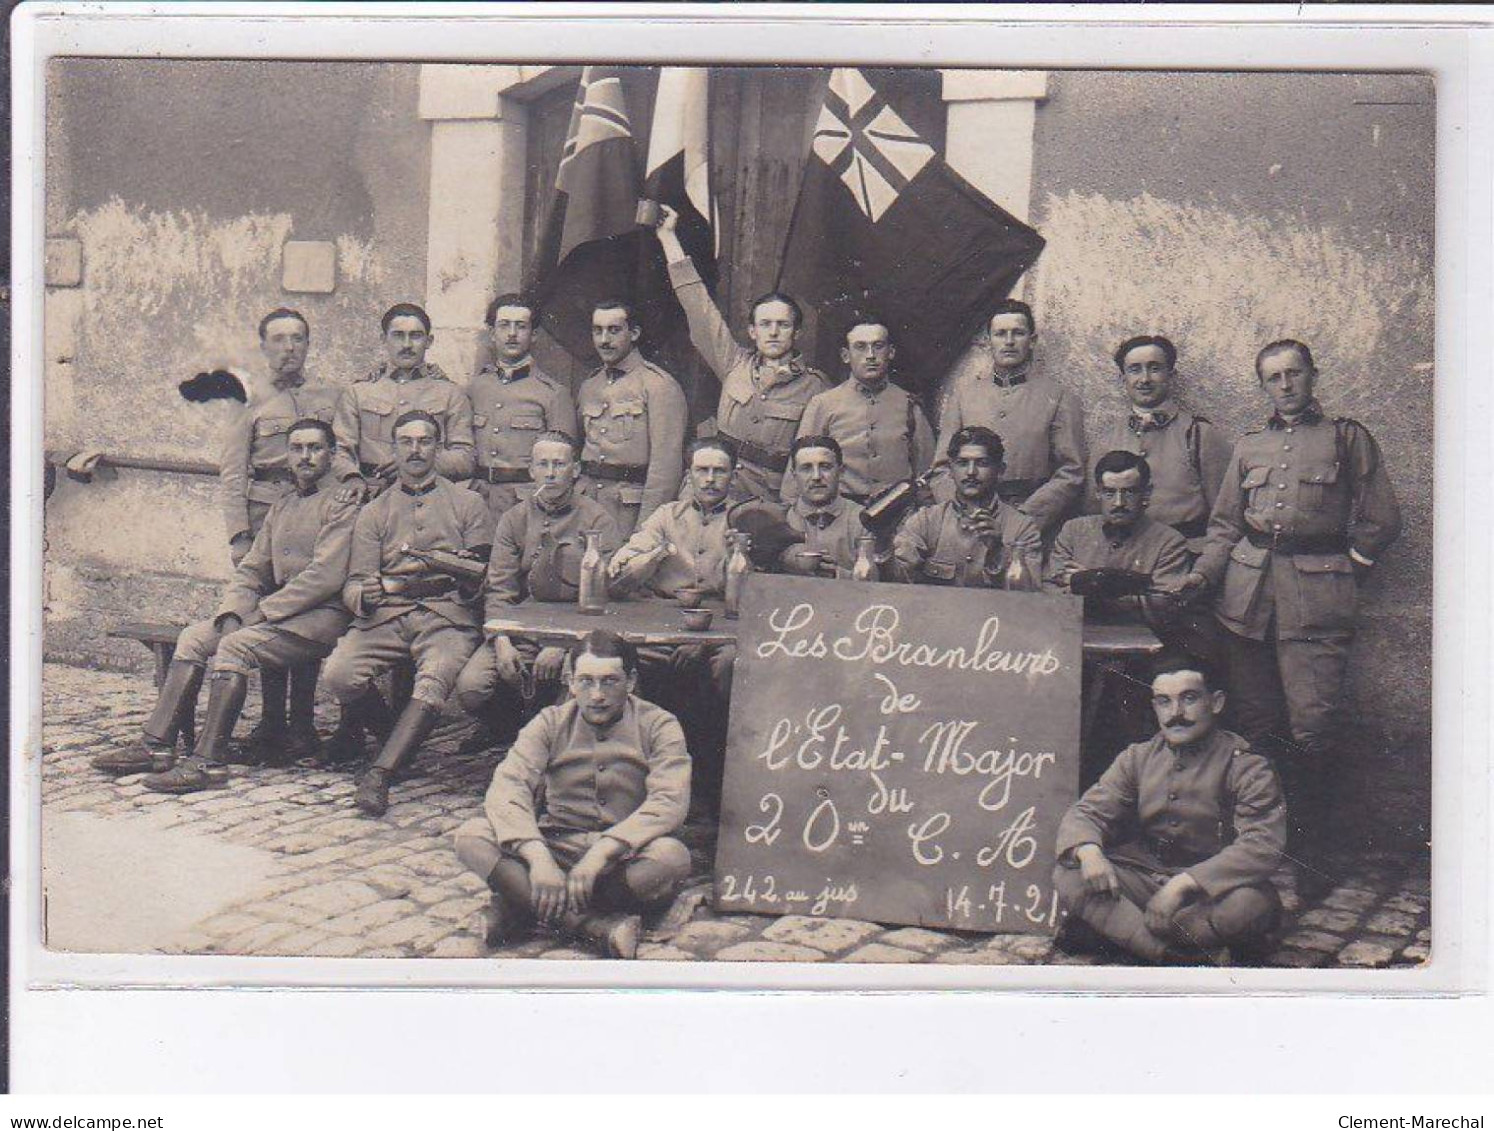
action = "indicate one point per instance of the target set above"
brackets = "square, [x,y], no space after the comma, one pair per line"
[590,248]
[885,229]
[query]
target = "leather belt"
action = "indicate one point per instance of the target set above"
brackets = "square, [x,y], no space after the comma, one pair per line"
[1017,490]
[756,453]
[1169,853]
[272,475]
[1299,543]
[503,474]
[617,473]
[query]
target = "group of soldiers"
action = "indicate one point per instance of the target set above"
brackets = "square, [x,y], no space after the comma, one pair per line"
[378,526]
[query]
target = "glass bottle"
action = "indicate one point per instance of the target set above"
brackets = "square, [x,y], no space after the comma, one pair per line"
[738,566]
[592,597]
[865,568]
[1020,579]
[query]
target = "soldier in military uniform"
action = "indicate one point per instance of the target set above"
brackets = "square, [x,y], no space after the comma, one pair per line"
[513,401]
[404,608]
[254,473]
[830,522]
[404,383]
[880,428]
[1305,510]
[1170,854]
[282,608]
[578,823]
[536,556]
[1039,421]
[1186,453]
[633,415]
[976,540]
[764,389]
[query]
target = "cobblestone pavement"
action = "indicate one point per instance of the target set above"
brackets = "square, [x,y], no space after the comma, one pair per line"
[339,884]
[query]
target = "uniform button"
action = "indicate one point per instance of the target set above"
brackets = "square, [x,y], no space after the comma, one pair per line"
[498,404]
[1283,467]
[404,402]
[1289,431]
[1172,797]
[1276,526]
[1280,505]
[1177,765]
[1281,486]
[1002,413]
[1144,452]
[969,557]
[1286,447]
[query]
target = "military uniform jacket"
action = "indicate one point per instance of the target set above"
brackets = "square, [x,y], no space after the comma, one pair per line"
[631,781]
[700,548]
[1188,456]
[883,435]
[1042,429]
[934,547]
[530,530]
[1318,479]
[441,516]
[761,401]
[634,416]
[1214,811]
[511,407]
[834,531]
[256,441]
[368,409]
[293,574]
[1148,547]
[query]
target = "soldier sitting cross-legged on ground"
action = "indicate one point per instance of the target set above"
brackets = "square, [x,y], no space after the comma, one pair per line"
[578,820]
[1169,855]
[283,608]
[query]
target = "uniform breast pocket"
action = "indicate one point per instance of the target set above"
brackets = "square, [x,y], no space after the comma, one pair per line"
[625,421]
[781,424]
[591,420]
[529,421]
[1315,484]
[939,571]
[1255,477]
[272,427]
[1326,582]
[479,420]
[376,417]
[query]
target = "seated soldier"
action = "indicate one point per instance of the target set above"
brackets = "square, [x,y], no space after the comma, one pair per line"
[577,824]
[536,556]
[976,540]
[1169,855]
[835,542]
[282,608]
[409,591]
[1126,564]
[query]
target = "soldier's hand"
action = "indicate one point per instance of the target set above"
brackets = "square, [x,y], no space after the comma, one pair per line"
[510,663]
[1163,907]
[582,881]
[229,622]
[1096,870]
[1192,586]
[547,886]
[549,664]
[669,219]
[387,470]
[984,527]
[352,491]
[373,592]
[239,545]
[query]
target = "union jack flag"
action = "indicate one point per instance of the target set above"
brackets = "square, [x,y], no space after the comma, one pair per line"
[599,114]
[866,144]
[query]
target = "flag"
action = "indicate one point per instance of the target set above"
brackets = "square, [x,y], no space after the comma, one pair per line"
[885,228]
[590,249]
[678,173]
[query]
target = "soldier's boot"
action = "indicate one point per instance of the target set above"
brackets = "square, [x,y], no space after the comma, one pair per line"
[1308,836]
[415,723]
[205,768]
[175,703]
[366,714]
[499,925]
[301,740]
[268,734]
[616,935]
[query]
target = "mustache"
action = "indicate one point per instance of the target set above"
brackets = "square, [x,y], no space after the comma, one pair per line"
[1176,721]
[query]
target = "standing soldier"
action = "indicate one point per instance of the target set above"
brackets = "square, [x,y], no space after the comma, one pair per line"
[1040,423]
[254,474]
[406,382]
[1186,453]
[634,416]
[1305,509]
[764,390]
[513,401]
[880,428]
[281,609]
[403,607]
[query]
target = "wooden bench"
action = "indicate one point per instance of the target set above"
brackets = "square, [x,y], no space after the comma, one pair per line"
[161,640]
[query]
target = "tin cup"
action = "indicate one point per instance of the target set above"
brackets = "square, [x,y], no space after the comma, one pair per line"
[649,214]
[697,620]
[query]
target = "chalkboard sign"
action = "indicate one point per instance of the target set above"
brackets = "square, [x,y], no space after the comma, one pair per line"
[899,753]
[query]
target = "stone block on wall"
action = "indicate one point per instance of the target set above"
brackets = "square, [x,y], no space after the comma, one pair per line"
[64,263]
[309,267]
